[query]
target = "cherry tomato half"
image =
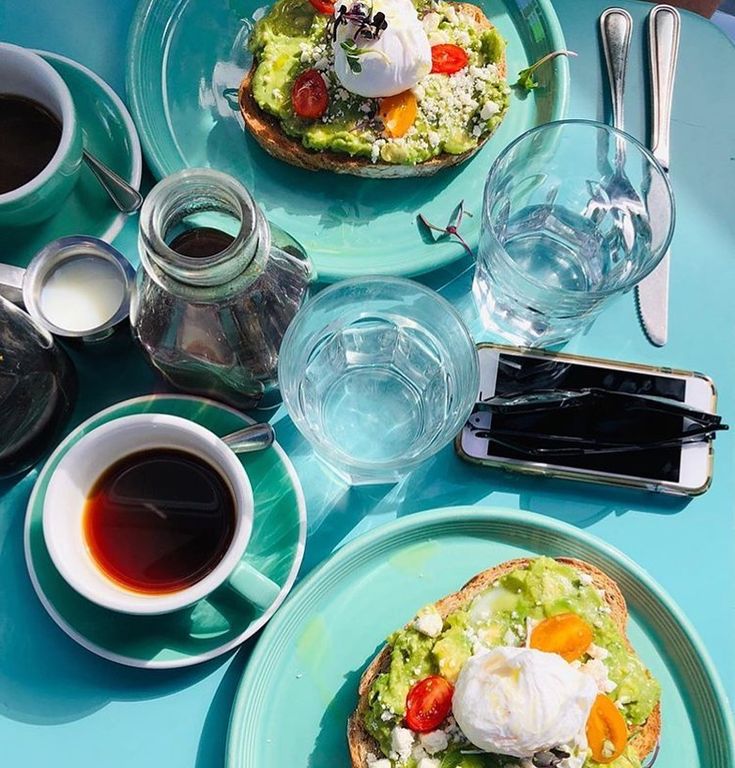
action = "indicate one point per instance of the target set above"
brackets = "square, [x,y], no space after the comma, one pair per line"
[323,6]
[446,59]
[428,702]
[309,95]
[607,732]
[566,634]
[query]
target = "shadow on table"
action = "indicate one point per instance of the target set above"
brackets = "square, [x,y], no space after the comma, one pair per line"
[330,747]
[212,749]
[339,512]
[45,677]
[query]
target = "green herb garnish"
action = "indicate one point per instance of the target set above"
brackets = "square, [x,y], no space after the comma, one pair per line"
[526,80]
[352,53]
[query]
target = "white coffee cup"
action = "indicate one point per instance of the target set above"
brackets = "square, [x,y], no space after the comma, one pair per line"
[76,475]
[24,73]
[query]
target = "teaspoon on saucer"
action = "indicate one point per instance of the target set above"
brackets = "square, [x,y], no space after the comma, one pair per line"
[125,198]
[256,437]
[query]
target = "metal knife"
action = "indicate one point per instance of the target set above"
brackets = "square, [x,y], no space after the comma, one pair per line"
[663,45]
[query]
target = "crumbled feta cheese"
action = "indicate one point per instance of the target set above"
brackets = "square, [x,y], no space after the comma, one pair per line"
[401,742]
[509,637]
[597,670]
[386,715]
[489,109]
[597,652]
[530,625]
[452,730]
[435,741]
[429,623]
[585,578]
[382,762]
[477,645]
[375,150]
[462,38]
[431,22]
[428,762]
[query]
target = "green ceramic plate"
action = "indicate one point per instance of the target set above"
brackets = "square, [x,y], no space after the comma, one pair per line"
[184,55]
[212,626]
[109,134]
[300,684]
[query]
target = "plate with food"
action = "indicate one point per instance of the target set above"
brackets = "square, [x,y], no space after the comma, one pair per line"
[472,637]
[346,119]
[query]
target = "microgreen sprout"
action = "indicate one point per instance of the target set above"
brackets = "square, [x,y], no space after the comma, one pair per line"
[526,79]
[452,229]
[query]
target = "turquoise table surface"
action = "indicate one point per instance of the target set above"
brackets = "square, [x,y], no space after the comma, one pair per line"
[61,706]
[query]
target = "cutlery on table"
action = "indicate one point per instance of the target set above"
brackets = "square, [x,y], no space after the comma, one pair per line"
[663,43]
[126,198]
[256,437]
[616,27]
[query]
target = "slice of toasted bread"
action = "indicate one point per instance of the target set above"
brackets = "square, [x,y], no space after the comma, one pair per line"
[361,742]
[267,131]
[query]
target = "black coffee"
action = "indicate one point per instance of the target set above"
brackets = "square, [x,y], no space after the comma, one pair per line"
[201,242]
[29,137]
[159,520]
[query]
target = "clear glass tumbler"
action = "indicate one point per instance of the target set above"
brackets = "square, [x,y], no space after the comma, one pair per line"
[574,212]
[378,374]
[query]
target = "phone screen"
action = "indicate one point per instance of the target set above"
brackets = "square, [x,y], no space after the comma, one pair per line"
[518,374]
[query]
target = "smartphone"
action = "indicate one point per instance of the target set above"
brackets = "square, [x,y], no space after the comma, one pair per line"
[681,470]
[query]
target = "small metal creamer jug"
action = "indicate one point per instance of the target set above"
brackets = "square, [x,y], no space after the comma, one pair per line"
[216,289]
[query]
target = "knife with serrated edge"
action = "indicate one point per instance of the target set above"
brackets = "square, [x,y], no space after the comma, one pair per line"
[663,45]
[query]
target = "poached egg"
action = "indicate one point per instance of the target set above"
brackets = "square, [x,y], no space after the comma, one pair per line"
[393,63]
[520,701]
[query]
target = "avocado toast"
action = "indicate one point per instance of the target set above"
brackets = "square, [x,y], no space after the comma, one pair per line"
[505,606]
[454,113]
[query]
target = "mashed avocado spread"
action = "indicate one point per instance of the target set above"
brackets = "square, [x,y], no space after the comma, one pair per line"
[454,111]
[504,614]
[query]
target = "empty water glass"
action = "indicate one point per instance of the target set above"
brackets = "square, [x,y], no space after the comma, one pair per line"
[378,374]
[574,212]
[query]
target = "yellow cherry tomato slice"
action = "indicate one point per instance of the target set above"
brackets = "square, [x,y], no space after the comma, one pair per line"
[607,733]
[566,634]
[398,113]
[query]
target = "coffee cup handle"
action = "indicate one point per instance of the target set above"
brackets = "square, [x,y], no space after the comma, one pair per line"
[253,586]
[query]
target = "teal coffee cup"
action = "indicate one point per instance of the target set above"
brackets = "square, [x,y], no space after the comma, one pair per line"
[41,136]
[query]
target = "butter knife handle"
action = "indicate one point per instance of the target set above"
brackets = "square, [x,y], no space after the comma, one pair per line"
[663,36]
[616,26]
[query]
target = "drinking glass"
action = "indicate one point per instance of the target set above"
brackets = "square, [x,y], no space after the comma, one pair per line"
[575,212]
[378,374]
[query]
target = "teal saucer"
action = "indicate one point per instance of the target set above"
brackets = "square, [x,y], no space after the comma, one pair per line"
[212,626]
[109,135]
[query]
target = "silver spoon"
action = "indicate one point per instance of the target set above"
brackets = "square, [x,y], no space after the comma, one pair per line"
[256,437]
[125,198]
